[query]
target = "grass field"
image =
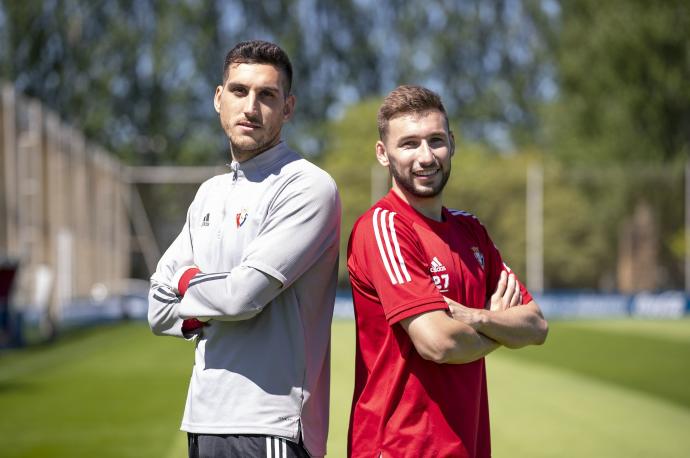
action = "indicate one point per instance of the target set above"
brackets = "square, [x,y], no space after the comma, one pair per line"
[596,389]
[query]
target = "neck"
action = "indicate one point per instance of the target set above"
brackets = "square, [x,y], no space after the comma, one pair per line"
[240,155]
[431,207]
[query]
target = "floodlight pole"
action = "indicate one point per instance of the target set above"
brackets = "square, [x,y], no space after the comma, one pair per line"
[380,183]
[535,228]
[687,226]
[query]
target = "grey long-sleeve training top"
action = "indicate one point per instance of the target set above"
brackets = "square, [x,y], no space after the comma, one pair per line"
[266,238]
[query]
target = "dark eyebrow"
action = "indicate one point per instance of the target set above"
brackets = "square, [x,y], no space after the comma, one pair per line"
[271,89]
[235,85]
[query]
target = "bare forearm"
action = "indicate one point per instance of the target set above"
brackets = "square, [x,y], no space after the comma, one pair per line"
[514,327]
[469,347]
[439,338]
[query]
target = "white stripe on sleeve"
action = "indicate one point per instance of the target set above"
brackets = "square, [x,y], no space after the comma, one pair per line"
[384,258]
[389,249]
[269,448]
[403,268]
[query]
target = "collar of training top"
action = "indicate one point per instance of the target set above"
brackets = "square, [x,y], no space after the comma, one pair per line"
[265,163]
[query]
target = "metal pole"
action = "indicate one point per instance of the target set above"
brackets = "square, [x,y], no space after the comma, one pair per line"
[142,228]
[172,174]
[380,183]
[535,228]
[687,226]
[10,169]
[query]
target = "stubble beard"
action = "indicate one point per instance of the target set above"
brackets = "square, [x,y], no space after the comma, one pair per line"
[407,183]
[242,148]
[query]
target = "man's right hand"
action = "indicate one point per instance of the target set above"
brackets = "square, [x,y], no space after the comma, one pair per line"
[467,315]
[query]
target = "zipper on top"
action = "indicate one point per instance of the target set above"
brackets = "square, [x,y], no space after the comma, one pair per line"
[234,167]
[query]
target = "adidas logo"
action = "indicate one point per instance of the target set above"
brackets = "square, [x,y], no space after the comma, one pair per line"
[437,266]
[205,221]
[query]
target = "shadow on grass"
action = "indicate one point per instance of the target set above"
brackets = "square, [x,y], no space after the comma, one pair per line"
[12,386]
[656,366]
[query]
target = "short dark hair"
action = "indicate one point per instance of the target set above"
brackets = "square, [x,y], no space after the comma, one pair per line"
[260,52]
[407,99]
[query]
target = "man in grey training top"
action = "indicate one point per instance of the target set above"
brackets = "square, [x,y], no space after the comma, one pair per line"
[252,276]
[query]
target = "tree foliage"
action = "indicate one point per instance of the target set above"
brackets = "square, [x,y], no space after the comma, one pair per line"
[583,207]
[623,72]
[138,77]
[494,188]
[350,158]
[592,84]
[622,116]
[118,70]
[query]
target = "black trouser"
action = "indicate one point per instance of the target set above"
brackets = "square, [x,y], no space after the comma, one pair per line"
[242,446]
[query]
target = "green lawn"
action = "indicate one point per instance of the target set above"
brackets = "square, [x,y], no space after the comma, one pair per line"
[111,391]
[601,389]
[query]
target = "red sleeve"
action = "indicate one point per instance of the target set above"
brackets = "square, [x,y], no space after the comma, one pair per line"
[385,255]
[495,265]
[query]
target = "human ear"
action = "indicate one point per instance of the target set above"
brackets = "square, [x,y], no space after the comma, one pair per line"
[381,154]
[216,98]
[452,143]
[289,107]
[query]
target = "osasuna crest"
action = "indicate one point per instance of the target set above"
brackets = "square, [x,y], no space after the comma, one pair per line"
[241,217]
[478,256]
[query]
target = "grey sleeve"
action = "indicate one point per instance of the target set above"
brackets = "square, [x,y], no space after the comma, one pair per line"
[230,296]
[163,314]
[303,222]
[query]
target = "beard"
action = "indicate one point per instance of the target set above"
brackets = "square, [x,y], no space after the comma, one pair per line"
[243,146]
[246,146]
[407,182]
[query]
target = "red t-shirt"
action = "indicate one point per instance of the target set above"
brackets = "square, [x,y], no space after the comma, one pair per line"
[401,263]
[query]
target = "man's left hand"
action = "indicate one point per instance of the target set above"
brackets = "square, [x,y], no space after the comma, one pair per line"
[467,315]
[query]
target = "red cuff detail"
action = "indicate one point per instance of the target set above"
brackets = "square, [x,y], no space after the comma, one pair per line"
[186,277]
[191,324]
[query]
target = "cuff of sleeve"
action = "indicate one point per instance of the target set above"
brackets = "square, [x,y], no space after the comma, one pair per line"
[412,309]
[182,278]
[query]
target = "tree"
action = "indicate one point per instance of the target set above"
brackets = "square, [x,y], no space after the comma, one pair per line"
[137,77]
[623,68]
[621,121]
[116,69]
[349,158]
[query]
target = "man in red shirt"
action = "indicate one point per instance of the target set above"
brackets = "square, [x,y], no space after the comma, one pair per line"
[432,297]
